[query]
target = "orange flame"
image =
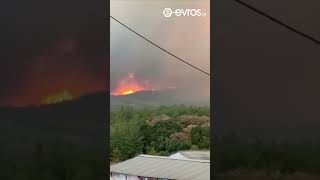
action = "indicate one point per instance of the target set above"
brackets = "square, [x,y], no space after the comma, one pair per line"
[129,85]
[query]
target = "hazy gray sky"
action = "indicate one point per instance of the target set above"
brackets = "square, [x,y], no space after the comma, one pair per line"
[187,37]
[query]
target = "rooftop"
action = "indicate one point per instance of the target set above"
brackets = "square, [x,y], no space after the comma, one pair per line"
[204,155]
[164,167]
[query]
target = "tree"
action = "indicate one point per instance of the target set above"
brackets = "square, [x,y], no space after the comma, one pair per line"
[200,136]
[161,133]
[127,138]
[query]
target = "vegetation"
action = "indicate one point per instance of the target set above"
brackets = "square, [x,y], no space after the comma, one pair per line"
[158,131]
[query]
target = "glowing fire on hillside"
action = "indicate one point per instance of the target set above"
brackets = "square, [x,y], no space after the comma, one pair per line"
[130,84]
[57,97]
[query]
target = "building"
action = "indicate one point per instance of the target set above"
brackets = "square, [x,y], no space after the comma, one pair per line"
[203,155]
[147,167]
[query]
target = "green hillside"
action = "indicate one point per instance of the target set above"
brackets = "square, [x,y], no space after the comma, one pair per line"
[158,131]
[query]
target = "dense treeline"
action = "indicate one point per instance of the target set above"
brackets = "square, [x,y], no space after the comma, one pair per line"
[234,154]
[158,131]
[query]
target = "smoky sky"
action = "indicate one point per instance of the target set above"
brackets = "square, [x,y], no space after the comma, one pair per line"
[267,78]
[186,37]
[50,46]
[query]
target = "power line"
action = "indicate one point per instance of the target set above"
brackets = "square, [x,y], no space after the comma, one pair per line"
[178,58]
[278,21]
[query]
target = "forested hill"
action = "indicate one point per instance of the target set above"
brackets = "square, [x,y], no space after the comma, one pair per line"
[57,141]
[158,131]
[80,122]
[156,98]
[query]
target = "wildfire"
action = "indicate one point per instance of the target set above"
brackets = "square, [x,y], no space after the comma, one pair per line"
[129,85]
[130,91]
[57,97]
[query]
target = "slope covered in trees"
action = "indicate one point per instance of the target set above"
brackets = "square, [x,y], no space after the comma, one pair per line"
[158,131]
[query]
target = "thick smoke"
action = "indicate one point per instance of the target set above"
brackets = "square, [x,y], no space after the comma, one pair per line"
[49,46]
[187,37]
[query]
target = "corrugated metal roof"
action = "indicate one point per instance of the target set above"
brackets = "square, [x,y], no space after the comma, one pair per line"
[164,167]
[205,155]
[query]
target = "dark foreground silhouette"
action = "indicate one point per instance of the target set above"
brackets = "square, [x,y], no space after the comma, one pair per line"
[58,141]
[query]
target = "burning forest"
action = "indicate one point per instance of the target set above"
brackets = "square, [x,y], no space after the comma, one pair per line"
[131,84]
